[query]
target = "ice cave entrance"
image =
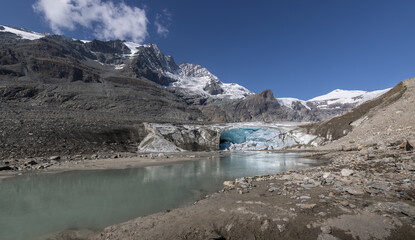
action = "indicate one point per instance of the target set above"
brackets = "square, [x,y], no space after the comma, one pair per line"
[255,139]
[235,136]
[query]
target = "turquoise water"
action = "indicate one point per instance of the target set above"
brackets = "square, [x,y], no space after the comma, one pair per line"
[39,204]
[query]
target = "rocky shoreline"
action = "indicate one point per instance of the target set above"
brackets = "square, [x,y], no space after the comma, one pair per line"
[366,194]
[99,161]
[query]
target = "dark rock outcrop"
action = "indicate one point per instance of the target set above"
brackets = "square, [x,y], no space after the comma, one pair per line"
[213,88]
[151,63]
[259,107]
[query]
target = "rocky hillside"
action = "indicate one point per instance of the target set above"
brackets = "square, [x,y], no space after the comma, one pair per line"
[383,121]
[57,98]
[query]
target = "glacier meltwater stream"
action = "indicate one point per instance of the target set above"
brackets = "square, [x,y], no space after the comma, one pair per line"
[35,205]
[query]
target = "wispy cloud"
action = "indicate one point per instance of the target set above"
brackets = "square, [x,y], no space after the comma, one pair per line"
[162,22]
[107,19]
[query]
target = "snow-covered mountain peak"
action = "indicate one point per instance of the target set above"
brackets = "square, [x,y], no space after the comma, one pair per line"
[133,47]
[22,33]
[334,102]
[198,80]
[154,48]
[195,70]
[150,56]
[339,96]
[291,102]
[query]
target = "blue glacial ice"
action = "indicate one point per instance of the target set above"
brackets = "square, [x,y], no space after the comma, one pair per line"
[255,139]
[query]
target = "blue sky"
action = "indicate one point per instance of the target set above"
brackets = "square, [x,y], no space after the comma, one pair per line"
[296,48]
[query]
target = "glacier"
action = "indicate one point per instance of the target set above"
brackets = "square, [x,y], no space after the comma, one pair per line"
[259,139]
[242,136]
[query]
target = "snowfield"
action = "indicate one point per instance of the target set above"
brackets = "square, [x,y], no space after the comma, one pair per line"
[335,98]
[23,33]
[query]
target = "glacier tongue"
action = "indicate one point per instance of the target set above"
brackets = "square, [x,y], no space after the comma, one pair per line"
[262,138]
[246,136]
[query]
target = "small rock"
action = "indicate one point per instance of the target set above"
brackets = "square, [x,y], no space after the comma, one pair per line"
[243,191]
[346,172]
[264,225]
[344,203]
[281,227]
[322,214]
[55,158]
[308,206]
[272,189]
[354,191]
[229,183]
[325,229]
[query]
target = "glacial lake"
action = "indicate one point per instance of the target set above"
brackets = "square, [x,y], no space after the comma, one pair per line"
[34,205]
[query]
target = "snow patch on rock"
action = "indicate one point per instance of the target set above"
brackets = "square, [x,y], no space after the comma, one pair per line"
[288,102]
[25,34]
[339,96]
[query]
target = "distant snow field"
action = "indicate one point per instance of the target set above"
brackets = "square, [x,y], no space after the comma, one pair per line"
[335,97]
[22,33]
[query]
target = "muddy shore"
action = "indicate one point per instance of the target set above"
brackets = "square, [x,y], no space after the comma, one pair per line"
[95,162]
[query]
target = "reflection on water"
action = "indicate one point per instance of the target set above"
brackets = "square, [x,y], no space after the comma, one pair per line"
[35,205]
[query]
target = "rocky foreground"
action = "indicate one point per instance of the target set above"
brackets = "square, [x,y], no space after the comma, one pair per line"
[366,194]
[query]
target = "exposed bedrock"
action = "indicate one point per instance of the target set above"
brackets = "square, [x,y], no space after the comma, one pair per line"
[161,137]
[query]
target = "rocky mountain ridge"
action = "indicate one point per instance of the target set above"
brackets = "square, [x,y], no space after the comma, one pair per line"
[150,62]
[63,96]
